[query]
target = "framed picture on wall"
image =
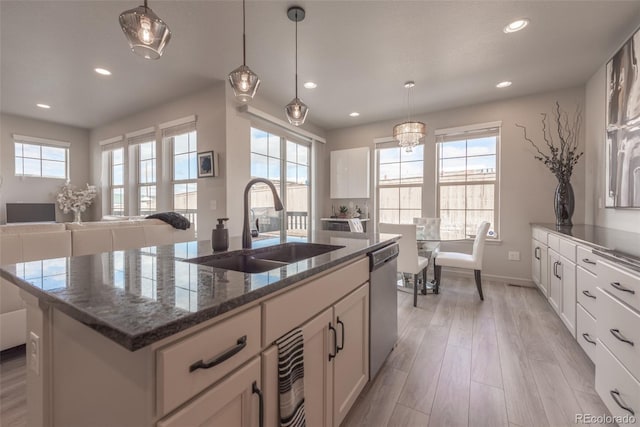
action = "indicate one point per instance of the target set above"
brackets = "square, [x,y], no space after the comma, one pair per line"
[206,164]
[622,150]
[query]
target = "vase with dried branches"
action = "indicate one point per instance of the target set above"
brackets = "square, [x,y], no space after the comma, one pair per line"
[561,136]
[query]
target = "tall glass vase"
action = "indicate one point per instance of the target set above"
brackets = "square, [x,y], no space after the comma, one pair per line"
[77,216]
[564,203]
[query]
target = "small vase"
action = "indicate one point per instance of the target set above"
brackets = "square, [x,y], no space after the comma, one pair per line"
[564,204]
[77,216]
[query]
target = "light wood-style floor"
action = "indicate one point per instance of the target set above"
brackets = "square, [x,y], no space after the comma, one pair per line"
[507,361]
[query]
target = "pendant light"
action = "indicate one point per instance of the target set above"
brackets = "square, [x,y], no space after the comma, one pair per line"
[147,34]
[243,81]
[296,110]
[409,133]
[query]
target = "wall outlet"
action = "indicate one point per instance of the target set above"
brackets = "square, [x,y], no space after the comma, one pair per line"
[34,353]
[514,256]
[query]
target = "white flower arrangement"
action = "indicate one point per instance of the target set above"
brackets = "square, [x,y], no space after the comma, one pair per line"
[72,200]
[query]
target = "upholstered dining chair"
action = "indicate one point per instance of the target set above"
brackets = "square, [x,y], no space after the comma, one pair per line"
[471,261]
[408,259]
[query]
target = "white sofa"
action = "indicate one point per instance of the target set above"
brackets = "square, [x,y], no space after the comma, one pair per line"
[30,242]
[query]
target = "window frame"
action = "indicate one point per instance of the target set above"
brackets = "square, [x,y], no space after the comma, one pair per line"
[471,132]
[32,141]
[139,184]
[191,214]
[122,186]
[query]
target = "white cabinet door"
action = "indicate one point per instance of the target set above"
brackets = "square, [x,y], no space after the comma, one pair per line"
[351,363]
[535,262]
[544,270]
[568,274]
[555,281]
[350,173]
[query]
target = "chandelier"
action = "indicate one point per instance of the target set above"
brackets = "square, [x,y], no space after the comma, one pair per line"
[409,133]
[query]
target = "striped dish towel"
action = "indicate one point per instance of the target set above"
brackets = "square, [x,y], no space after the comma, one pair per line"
[291,379]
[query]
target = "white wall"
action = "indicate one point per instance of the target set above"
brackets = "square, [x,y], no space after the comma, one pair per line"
[15,189]
[527,187]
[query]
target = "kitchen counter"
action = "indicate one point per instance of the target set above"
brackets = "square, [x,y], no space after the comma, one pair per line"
[617,245]
[140,296]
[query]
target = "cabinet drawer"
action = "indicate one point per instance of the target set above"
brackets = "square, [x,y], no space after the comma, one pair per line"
[179,378]
[587,293]
[586,335]
[619,329]
[291,309]
[620,283]
[613,382]
[554,242]
[568,250]
[540,235]
[586,259]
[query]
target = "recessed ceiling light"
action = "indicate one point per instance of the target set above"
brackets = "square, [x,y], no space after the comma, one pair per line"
[504,84]
[354,114]
[45,106]
[516,25]
[310,85]
[103,71]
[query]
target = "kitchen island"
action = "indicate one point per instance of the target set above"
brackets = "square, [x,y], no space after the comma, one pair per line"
[143,337]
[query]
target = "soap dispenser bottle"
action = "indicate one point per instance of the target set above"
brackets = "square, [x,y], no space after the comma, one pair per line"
[220,236]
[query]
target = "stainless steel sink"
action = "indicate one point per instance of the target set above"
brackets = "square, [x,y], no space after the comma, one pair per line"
[264,259]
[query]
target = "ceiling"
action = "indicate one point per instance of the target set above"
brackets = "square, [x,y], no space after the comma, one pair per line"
[358,52]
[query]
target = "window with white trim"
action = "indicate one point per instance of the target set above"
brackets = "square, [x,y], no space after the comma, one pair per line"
[146,155]
[184,174]
[399,180]
[39,159]
[467,180]
[116,181]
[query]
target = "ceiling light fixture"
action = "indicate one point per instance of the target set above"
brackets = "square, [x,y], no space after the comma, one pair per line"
[103,71]
[354,114]
[243,81]
[516,25]
[310,85]
[147,34]
[504,84]
[45,106]
[296,110]
[409,133]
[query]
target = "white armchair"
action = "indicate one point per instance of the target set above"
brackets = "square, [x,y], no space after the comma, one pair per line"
[471,261]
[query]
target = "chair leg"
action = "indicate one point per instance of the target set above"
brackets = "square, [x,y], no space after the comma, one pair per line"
[479,283]
[424,281]
[437,271]
[415,290]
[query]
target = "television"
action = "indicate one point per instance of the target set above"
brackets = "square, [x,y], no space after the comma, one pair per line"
[31,212]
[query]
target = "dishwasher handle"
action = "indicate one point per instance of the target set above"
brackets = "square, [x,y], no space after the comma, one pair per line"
[382,256]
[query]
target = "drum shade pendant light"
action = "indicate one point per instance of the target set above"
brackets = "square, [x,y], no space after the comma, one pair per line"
[296,110]
[409,133]
[147,34]
[243,81]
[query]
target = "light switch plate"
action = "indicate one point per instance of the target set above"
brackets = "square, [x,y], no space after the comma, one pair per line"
[514,256]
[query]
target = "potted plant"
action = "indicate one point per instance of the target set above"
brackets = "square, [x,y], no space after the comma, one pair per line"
[72,200]
[343,211]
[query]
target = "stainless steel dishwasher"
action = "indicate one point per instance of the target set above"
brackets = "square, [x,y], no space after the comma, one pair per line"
[383,305]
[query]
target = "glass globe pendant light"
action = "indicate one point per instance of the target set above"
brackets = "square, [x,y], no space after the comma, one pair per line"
[243,81]
[409,133]
[147,34]
[296,110]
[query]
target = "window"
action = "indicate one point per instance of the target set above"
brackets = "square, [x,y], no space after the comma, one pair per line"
[286,163]
[184,175]
[399,183]
[146,153]
[40,160]
[116,181]
[467,182]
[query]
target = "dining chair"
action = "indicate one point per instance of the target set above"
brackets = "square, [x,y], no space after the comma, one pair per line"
[471,261]
[408,260]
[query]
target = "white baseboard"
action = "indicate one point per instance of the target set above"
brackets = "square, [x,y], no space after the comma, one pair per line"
[513,280]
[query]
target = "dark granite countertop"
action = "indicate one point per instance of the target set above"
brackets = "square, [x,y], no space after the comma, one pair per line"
[615,245]
[137,297]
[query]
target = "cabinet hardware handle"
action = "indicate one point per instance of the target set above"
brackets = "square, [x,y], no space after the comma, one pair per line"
[218,359]
[588,294]
[256,390]
[588,339]
[588,261]
[558,275]
[335,342]
[616,333]
[615,394]
[619,287]
[555,264]
[535,252]
[341,346]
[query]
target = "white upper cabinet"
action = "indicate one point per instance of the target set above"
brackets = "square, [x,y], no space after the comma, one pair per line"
[350,173]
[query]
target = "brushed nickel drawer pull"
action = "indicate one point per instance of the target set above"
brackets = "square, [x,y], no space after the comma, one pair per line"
[588,294]
[588,339]
[588,261]
[615,394]
[335,342]
[218,359]
[619,287]
[535,252]
[616,333]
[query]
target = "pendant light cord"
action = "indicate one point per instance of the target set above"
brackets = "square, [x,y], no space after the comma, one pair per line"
[145,5]
[244,41]
[296,54]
